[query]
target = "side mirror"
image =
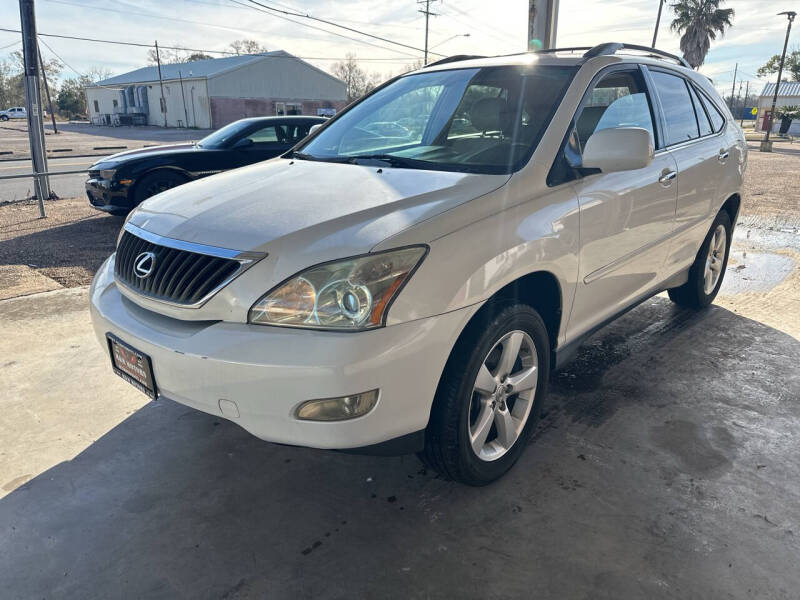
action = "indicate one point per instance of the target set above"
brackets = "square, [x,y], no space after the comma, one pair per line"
[314,128]
[618,149]
[243,143]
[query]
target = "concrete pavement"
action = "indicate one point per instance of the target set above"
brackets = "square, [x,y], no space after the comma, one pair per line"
[665,466]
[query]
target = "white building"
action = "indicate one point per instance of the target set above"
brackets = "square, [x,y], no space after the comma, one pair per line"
[788,95]
[214,92]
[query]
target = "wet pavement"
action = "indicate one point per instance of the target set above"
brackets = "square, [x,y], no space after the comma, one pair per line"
[665,465]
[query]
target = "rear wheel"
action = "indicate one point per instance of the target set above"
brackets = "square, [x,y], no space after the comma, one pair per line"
[489,396]
[157,182]
[708,270]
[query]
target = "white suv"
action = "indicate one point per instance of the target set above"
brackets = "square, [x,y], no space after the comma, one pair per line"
[410,288]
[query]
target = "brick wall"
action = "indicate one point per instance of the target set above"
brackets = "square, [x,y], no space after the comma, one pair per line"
[227,110]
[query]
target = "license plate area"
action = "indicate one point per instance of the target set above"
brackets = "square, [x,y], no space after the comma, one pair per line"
[132,365]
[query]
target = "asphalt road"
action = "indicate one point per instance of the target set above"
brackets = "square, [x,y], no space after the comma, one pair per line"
[65,186]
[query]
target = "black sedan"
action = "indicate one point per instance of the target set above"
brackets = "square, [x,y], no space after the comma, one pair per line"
[119,182]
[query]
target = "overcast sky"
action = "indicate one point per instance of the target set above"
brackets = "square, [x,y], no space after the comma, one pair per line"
[497,27]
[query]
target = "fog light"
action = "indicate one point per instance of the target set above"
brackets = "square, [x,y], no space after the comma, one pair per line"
[338,409]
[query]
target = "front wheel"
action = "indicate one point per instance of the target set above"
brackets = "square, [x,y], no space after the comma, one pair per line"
[708,270]
[157,182]
[489,396]
[3,117]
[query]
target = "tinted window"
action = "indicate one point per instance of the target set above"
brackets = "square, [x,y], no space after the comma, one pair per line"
[678,109]
[717,120]
[269,133]
[618,100]
[702,118]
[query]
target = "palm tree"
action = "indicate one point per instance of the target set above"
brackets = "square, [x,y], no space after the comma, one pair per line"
[699,22]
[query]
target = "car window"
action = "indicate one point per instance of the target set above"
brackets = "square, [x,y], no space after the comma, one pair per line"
[702,117]
[618,100]
[717,120]
[677,105]
[270,133]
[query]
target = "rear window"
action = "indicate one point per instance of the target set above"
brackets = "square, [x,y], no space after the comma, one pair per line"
[702,117]
[678,109]
[717,120]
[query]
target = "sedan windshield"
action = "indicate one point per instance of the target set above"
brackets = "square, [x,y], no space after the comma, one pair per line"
[486,120]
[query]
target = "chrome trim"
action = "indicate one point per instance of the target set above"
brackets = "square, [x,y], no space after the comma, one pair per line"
[245,260]
[193,246]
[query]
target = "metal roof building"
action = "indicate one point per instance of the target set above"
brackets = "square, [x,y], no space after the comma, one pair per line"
[214,92]
[788,95]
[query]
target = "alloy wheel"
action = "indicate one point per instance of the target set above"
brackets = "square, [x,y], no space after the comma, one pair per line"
[715,259]
[503,395]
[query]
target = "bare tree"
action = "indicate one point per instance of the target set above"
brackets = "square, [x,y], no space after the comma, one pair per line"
[356,79]
[247,47]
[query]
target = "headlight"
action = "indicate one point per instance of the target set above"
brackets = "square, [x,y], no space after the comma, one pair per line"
[349,294]
[108,174]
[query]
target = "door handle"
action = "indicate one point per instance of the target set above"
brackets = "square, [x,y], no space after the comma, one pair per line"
[666,178]
[723,155]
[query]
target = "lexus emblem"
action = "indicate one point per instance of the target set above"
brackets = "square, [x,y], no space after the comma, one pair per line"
[144,264]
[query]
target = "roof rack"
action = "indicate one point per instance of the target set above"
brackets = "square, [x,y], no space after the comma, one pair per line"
[553,50]
[614,47]
[455,58]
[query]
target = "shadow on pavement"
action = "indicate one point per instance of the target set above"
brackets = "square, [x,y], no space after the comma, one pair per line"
[665,465]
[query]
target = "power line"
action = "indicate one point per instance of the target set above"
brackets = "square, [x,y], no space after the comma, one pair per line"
[334,24]
[204,50]
[46,45]
[352,39]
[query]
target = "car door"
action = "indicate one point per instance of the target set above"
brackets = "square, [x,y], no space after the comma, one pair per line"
[696,140]
[262,143]
[626,218]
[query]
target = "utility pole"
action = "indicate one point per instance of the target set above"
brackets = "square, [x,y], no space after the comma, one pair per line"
[739,95]
[33,102]
[733,87]
[658,22]
[746,94]
[161,83]
[47,89]
[542,24]
[183,95]
[766,145]
[428,14]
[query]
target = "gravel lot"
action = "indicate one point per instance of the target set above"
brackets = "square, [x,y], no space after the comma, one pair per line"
[83,138]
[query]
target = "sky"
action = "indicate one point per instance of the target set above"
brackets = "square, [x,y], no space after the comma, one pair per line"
[498,27]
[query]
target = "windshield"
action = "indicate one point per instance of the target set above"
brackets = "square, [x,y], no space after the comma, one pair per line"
[485,120]
[221,137]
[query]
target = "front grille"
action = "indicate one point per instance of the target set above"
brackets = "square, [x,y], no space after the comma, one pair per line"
[178,276]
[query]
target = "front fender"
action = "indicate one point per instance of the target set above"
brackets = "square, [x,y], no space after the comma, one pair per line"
[471,264]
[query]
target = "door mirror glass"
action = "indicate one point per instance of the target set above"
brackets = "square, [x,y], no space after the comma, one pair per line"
[618,149]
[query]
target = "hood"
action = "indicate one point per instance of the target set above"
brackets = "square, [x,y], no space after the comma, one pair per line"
[149,151]
[318,208]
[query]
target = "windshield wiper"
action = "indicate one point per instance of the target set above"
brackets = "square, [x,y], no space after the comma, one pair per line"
[303,156]
[393,160]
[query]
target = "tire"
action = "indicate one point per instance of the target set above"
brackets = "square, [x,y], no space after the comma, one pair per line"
[3,117]
[157,182]
[699,292]
[459,409]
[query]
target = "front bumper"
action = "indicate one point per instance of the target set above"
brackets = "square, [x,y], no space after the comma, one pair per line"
[108,196]
[268,371]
